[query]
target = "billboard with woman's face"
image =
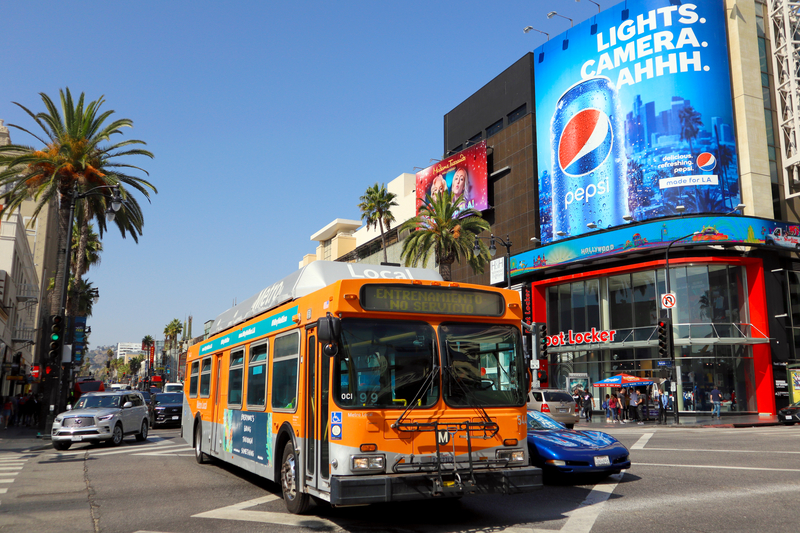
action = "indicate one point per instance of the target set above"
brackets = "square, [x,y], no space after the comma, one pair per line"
[462,174]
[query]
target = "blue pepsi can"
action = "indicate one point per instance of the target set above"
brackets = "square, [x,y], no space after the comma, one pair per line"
[587,142]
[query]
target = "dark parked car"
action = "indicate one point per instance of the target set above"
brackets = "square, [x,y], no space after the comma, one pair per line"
[558,450]
[167,408]
[790,415]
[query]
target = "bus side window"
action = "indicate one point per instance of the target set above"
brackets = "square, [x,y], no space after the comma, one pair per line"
[285,357]
[235,375]
[205,378]
[193,379]
[257,377]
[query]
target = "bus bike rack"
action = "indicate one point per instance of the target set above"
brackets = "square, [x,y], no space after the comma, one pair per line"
[450,476]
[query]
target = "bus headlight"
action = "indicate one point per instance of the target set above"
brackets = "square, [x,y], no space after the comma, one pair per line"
[362,463]
[512,456]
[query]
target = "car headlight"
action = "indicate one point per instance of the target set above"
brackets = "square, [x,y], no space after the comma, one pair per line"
[105,417]
[367,462]
[512,456]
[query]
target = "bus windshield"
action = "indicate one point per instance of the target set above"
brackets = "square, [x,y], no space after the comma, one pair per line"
[385,364]
[483,365]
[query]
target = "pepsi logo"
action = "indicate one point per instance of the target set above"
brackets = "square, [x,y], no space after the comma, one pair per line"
[706,161]
[585,143]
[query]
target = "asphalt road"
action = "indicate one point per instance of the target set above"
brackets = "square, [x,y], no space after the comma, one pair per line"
[682,479]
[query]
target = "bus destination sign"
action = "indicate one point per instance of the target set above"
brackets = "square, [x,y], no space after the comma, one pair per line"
[431,300]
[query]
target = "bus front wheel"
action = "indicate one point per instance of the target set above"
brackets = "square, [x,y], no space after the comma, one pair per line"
[296,501]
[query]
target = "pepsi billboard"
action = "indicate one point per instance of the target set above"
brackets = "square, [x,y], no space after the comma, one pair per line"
[634,118]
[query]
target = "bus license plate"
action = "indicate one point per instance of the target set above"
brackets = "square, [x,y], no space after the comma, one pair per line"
[602,460]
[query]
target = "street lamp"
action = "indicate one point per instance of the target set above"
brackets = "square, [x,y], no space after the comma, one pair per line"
[528,29]
[554,14]
[676,376]
[493,251]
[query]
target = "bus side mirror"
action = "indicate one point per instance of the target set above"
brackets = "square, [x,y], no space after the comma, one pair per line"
[329,328]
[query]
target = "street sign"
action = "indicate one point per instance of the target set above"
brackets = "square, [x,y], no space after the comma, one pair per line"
[668,300]
[664,363]
[35,371]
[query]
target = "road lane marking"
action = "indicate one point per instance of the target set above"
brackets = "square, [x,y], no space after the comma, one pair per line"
[642,441]
[721,467]
[3,491]
[171,450]
[238,511]
[713,451]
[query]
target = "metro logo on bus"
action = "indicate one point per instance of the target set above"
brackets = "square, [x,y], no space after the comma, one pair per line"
[569,338]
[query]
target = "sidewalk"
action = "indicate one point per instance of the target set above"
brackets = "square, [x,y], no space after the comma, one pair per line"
[19,439]
[689,421]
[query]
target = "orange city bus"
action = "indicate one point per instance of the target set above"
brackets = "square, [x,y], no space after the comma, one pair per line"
[358,384]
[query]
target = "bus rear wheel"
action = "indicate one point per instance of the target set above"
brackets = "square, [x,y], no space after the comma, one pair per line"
[296,501]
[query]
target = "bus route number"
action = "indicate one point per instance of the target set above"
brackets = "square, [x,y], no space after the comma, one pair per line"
[347,396]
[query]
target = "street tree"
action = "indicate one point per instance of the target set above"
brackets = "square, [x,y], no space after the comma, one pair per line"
[76,155]
[376,210]
[447,231]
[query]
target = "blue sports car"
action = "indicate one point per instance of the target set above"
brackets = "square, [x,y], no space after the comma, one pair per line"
[556,449]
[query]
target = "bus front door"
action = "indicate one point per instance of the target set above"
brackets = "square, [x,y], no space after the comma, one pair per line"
[317,468]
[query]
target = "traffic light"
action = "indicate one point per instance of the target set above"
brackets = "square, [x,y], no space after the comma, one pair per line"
[541,375]
[663,339]
[542,341]
[56,340]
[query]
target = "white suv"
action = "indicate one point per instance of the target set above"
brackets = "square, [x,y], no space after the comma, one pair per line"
[102,416]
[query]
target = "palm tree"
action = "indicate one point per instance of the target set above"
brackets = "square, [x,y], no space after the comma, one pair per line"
[450,233]
[73,158]
[91,250]
[171,332]
[86,295]
[376,210]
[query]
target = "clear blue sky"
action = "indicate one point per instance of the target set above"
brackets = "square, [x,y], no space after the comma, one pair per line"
[267,120]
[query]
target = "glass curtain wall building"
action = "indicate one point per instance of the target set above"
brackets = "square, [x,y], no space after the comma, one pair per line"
[713,333]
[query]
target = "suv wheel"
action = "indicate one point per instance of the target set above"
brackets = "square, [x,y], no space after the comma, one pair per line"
[142,435]
[117,435]
[61,445]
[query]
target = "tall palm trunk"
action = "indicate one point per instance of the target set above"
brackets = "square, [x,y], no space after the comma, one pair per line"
[64,234]
[79,269]
[383,242]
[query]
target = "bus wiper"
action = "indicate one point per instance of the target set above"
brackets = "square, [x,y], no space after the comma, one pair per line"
[427,384]
[465,390]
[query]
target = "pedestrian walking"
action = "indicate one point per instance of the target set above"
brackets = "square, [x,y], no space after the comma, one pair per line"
[8,411]
[587,405]
[662,408]
[607,409]
[632,410]
[716,400]
[613,404]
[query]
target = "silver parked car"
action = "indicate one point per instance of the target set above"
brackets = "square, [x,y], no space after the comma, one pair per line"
[102,416]
[557,403]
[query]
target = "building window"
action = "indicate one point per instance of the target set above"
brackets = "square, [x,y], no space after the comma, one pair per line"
[326,249]
[494,128]
[257,377]
[475,139]
[235,372]
[194,374]
[285,357]
[205,378]
[518,113]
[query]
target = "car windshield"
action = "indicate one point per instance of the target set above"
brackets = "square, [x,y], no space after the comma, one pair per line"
[385,364]
[171,397]
[484,365]
[93,402]
[540,421]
